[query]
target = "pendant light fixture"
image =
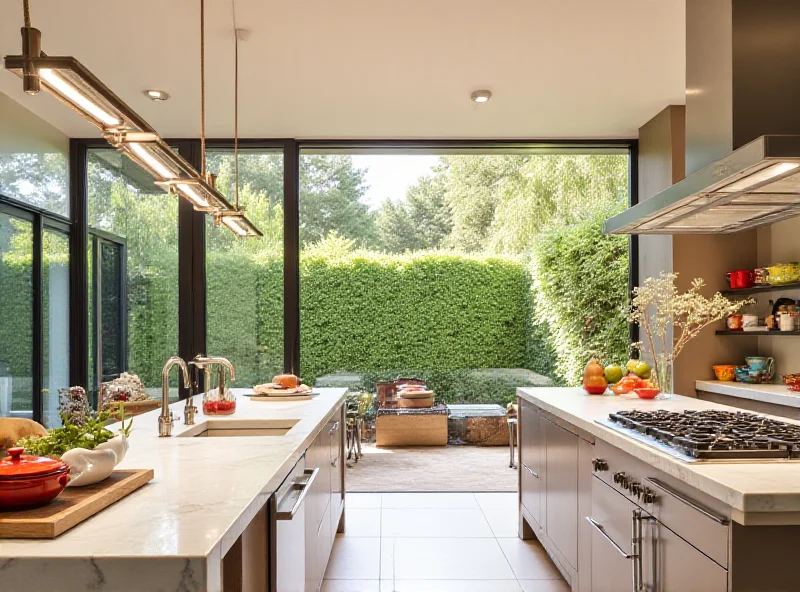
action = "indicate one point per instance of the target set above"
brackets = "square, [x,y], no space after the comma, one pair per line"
[234,217]
[73,84]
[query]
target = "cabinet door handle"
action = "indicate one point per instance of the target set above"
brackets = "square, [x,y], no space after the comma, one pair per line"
[334,429]
[531,471]
[303,484]
[601,530]
[689,502]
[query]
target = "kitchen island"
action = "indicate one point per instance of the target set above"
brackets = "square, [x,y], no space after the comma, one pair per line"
[180,531]
[616,513]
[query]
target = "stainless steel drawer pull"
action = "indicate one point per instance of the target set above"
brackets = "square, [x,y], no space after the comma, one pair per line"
[531,471]
[601,530]
[302,485]
[689,502]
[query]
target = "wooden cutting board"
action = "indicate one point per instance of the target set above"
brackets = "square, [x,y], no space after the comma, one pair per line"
[73,506]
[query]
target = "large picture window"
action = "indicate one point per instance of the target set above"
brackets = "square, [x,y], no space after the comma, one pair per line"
[244,277]
[133,271]
[453,267]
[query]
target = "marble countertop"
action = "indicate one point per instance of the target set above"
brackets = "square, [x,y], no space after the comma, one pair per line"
[751,489]
[205,492]
[777,394]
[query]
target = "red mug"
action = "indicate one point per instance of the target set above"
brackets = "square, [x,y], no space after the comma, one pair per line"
[743,278]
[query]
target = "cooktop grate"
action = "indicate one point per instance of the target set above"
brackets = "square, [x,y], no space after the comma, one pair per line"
[713,435]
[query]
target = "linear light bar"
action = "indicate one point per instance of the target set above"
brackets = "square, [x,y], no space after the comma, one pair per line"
[238,223]
[74,85]
[171,171]
[70,82]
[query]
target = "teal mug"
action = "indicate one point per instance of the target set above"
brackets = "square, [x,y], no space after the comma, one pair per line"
[764,365]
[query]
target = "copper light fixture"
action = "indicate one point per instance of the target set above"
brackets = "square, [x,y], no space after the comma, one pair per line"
[74,85]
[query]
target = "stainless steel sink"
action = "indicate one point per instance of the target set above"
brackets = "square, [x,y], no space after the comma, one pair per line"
[234,428]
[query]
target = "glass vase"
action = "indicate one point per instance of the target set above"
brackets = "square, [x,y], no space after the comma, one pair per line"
[663,376]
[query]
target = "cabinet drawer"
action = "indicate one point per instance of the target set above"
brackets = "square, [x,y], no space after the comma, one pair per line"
[611,522]
[676,566]
[693,515]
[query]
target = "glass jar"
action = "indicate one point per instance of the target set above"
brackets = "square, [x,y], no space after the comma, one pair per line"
[219,401]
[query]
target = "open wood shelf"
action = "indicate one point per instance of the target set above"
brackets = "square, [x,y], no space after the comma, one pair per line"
[760,289]
[759,333]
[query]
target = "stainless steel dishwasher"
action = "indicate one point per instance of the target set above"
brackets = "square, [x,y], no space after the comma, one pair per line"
[288,569]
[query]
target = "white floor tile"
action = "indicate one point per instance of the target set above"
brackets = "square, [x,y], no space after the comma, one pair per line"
[497,501]
[387,558]
[504,523]
[528,559]
[363,501]
[544,586]
[362,523]
[354,558]
[434,523]
[429,500]
[449,559]
[350,586]
[450,586]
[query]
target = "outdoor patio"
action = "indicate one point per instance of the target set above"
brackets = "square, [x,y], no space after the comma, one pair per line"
[446,468]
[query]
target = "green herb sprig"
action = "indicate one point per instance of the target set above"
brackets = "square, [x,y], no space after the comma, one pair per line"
[70,436]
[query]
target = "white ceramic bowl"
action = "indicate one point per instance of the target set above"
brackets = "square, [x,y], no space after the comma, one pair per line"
[92,466]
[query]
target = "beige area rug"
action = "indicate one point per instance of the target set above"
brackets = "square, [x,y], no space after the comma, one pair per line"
[435,468]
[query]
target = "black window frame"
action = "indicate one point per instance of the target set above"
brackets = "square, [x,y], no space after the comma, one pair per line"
[40,220]
[191,229]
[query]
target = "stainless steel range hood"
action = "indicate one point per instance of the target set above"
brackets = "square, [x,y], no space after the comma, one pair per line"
[755,185]
[742,123]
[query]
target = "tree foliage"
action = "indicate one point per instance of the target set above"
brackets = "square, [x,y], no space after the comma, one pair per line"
[422,222]
[580,287]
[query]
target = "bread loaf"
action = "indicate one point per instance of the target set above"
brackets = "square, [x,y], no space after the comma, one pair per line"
[12,429]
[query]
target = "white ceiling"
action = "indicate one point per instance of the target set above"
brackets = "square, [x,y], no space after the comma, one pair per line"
[371,68]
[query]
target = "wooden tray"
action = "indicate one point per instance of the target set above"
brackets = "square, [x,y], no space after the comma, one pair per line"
[133,408]
[74,505]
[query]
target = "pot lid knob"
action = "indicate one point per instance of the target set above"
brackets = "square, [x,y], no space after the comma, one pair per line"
[15,453]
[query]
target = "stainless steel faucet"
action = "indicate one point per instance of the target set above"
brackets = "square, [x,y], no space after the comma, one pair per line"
[166,420]
[204,363]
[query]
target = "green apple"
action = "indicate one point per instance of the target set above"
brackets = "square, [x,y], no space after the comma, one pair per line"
[613,373]
[642,370]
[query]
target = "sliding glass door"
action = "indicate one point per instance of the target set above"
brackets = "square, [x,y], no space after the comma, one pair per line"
[16,312]
[34,313]
[55,321]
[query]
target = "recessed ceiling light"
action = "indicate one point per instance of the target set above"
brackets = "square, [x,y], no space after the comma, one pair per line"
[157,95]
[481,96]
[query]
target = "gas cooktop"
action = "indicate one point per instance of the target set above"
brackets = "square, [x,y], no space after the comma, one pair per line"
[710,435]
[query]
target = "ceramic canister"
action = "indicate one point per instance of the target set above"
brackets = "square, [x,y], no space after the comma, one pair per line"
[749,320]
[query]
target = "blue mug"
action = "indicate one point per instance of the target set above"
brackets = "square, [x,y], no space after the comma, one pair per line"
[763,365]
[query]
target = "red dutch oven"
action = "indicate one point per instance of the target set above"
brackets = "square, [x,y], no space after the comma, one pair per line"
[28,481]
[743,278]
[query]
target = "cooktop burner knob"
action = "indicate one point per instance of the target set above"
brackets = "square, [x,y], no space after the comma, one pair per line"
[636,488]
[618,477]
[648,496]
[598,464]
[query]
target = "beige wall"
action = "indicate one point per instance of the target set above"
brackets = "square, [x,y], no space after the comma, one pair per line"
[779,243]
[662,163]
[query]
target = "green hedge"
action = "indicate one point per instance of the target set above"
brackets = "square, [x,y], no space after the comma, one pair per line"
[244,304]
[366,312]
[581,289]
[16,317]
